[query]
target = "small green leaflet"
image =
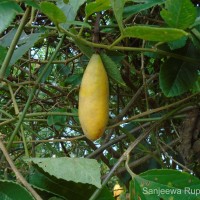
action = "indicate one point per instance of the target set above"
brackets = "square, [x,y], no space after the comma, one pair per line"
[154,33]
[179,13]
[54,13]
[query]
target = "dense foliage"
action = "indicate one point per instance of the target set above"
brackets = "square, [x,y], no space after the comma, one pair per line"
[150,50]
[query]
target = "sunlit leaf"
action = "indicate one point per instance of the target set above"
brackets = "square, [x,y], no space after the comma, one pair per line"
[53,12]
[154,33]
[179,13]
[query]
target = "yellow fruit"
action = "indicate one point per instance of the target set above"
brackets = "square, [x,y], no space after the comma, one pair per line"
[94,99]
[117,190]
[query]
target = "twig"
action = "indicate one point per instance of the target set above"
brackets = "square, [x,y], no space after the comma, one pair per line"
[17,173]
[121,159]
[171,158]
[49,140]
[114,141]
[123,112]
[32,92]
[143,159]
[153,111]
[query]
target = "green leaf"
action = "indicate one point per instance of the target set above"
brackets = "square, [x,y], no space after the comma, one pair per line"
[47,73]
[70,10]
[74,79]
[57,120]
[3,52]
[25,42]
[154,33]
[84,49]
[196,87]
[133,9]
[54,13]
[78,170]
[7,39]
[164,184]
[10,190]
[118,6]
[97,6]
[8,11]
[177,77]
[105,194]
[112,69]
[178,43]
[45,183]
[179,13]
[31,3]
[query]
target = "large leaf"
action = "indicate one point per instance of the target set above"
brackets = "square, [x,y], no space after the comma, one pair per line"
[54,13]
[176,77]
[112,69]
[154,33]
[165,184]
[179,13]
[47,184]
[133,9]
[69,190]
[78,170]
[10,190]
[97,6]
[8,11]
[118,7]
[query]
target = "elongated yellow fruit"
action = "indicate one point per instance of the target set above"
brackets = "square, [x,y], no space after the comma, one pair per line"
[94,99]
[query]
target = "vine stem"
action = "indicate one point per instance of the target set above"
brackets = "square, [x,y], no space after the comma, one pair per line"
[124,48]
[14,43]
[17,173]
[32,92]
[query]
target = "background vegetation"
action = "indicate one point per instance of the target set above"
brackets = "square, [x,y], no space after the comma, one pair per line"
[150,49]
